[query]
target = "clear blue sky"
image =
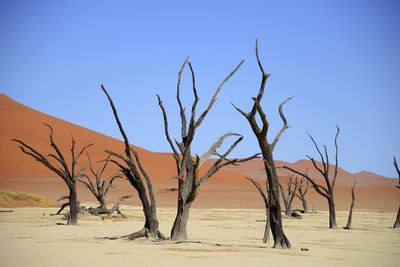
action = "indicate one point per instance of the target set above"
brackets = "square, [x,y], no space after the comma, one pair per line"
[340,59]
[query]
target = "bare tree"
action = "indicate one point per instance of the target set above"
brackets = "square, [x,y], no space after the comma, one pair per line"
[302,192]
[280,239]
[101,187]
[327,191]
[288,198]
[353,199]
[267,229]
[397,222]
[134,171]
[60,167]
[188,166]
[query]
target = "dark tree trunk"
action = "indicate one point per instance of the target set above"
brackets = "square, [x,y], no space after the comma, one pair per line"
[151,222]
[102,202]
[179,230]
[267,229]
[332,213]
[302,192]
[353,199]
[397,223]
[280,239]
[305,206]
[73,206]
[288,211]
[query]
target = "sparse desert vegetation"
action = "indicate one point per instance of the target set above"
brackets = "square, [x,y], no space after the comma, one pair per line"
[23,199]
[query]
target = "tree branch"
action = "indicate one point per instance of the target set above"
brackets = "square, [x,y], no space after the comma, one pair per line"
[214,98]
[319,152]
[166,131]
[317,187]
[181,108]
[259,188]
[39,157]
[263,117]
[121,129]
[211,151]
[60,155]
[285,123]
[336,156]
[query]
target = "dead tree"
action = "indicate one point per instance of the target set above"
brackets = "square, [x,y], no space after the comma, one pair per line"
[115,208]
[134,171]
[327,191]
[187,165]
[267,229]
[280,239]
[397,222]
[60,167]
[353,199]
[288,198]
[302,192]
[101,188]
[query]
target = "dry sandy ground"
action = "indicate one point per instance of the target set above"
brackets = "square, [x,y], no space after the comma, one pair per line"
[219,237]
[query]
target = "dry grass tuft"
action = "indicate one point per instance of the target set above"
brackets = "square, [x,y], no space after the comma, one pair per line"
[21,199]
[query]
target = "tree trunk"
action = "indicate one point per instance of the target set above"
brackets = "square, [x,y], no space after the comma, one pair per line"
[397,223]
[332,213]
[353,199]
[348,225]
[178,231]
[304,202]
[151,224]
[280,239]
[288,210]
[267,229]
[73,206]
[102,202]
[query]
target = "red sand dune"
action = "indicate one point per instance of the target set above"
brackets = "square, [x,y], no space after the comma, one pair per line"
[227,188]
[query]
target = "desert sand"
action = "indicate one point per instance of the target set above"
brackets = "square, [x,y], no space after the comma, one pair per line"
[218,237]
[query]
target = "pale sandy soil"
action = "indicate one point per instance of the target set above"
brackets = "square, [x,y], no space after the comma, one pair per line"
[219,237]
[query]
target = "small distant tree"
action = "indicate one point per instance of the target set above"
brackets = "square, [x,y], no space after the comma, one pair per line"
[66,172]
[353,199]
[288,198]
[267,229]
[261,133]
[302,192]
[397,222]
[188,166]
[101,187]
[327,191]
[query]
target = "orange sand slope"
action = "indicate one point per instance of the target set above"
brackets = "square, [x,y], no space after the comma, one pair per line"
[227,189]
